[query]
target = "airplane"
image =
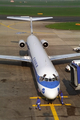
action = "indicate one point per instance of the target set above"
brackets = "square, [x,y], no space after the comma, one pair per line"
[47,77]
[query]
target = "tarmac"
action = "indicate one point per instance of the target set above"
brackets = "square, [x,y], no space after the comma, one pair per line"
[18,88]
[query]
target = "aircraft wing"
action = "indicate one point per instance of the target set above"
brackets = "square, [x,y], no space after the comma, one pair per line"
[58,57]
[19,58]
[27,18]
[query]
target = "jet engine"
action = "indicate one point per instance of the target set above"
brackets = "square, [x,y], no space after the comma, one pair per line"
[21,43]
[44,43]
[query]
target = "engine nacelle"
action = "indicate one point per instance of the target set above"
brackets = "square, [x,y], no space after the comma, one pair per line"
[44,43]
[21,43]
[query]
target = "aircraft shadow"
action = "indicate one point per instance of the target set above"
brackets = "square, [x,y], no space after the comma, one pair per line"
[15,41]
[15,63]
[23,53]
[18,63]
[35,82]
[69,89]
[8,62]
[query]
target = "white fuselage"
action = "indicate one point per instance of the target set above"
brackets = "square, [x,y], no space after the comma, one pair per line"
[44,70]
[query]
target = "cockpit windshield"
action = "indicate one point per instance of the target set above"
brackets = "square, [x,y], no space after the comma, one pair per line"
[55,78]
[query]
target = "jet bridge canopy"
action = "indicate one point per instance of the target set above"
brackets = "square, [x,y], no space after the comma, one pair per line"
[75,76]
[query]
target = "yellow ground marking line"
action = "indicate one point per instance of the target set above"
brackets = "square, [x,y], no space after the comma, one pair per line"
[53,109]
[36,97]
[63,96]
[54,112]
[52,104]
[27,31]
[62,105]
[3,24]
[40,13]
[17,29]
[77,24]
[41,105]
[12,28]
[8,26]
[44,97]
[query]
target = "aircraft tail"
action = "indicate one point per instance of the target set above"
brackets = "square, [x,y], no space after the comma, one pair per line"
[27,18]
[31,25]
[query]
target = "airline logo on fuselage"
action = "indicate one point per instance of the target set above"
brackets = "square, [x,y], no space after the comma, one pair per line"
[43,90]
[35,62]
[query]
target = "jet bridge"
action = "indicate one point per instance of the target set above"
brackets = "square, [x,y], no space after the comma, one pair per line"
[75,75]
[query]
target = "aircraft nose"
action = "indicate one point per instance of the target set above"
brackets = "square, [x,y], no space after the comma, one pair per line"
[51,94]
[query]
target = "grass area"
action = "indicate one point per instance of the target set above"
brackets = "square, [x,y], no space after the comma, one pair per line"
[45,2]
[64,26]
[33,11]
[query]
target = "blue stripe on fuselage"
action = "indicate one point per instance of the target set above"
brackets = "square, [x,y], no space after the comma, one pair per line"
[51,84]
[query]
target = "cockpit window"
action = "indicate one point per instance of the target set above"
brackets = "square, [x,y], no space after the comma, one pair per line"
[46,79]
[41,78]
[49,79]
[53,79]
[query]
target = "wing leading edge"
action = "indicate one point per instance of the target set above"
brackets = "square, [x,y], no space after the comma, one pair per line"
[58,57]
[28,58]
[24,58]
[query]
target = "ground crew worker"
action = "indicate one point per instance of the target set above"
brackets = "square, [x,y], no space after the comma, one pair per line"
[61,97]
[38,103]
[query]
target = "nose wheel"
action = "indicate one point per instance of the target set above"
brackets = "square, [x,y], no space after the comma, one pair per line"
[49,101]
